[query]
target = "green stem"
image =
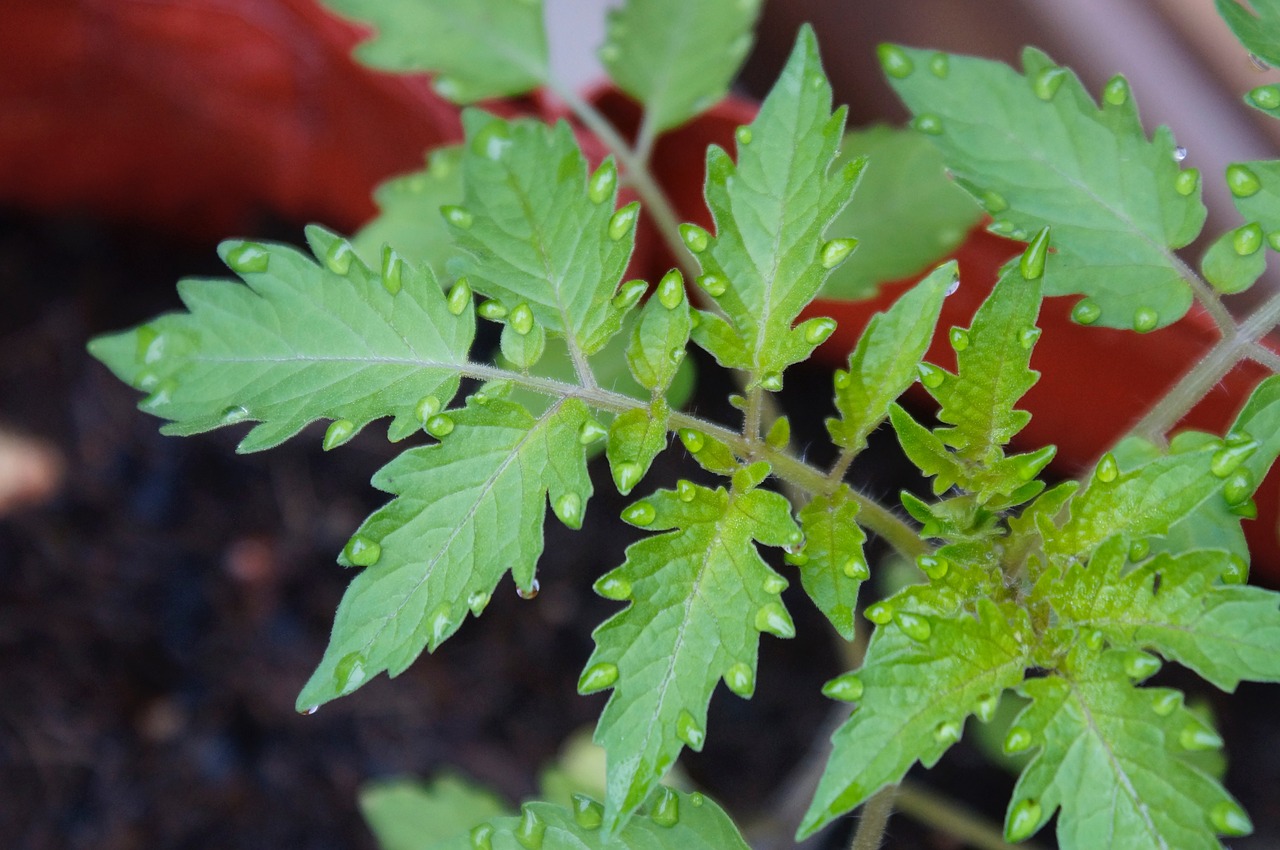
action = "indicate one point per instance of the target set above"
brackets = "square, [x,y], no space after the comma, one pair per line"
[923,805]
[875,819]
[1207,296]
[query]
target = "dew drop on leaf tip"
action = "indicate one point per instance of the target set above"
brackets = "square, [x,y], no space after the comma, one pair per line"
[529,592]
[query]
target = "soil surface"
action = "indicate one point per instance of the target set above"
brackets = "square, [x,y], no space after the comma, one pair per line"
[160,612]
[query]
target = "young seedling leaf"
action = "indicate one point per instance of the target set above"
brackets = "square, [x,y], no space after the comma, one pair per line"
[675,57]
[1237,258]
[534,234]
[923,676]
[406,814]
[636,437]
[409,217]
[301,342]
[700,595]
[466,511]
[907,213]
[1114,758]
[1036,150]
[476,50]
[884,362]
[1258,27]
[660,336]
[771,209]
[832,564]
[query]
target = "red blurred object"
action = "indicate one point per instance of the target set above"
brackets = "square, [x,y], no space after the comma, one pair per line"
[195,114]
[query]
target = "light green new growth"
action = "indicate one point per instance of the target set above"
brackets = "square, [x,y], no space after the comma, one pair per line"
[699,596]
[1036,150]
[832,564]
[405,814]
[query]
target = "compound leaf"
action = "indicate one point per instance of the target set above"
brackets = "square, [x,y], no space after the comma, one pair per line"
[1114,758]
[468,509]
[1036,150]
[409,214]
[700,596]
[768,259]
[923,676]
[301,342]
[478,49]
[677,58]
[1258,30]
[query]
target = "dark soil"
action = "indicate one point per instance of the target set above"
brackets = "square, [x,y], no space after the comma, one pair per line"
[158,617]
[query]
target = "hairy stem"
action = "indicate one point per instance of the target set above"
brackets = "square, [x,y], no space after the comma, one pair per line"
[875,819]
[1206,296]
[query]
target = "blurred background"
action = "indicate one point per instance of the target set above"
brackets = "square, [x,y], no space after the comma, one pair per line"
[161,601]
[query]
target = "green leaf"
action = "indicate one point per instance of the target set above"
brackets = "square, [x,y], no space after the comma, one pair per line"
[301,342]
[1237,258]
[767,259]
[477,50]
[675,57]
[884,362]
[467,510]
[1110,755]
[700,595]
[832,564]
[670,819]
[636,437]
[535,234]
[408,216]
[906,215]
[1179,607]
[1258,30]
[916,696]
[661,335]
[1036,150]
[406,814]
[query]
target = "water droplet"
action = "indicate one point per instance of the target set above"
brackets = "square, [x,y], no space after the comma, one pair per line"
[477,601]
[1197,736]
[953,288]
[694,441]
[817,331]
[1048,81]
[948,732]
[1165,703]
[348,673]
[597,677]
[1227,459]
[590,431]
[587,813]
[689,731]
[675,355]
[626,475]
[940,65]
[232,415]
[530,592]
[629,294]
[1116,92]
[1145,320]
[1239,487]
[392,270]
[856,568]
[671,290]
[1242,181]
[1247,239]
[1179,153]
[816,80]
[613,586]
[774,584]
[695,238]
[928,123]
[1107,469]
[1023,821]
[161,393]
[482,837]
[338,432]
[845,688]
[623,220]
[459,296]
[492,140]
[1033,259]
[1030,465]
[835,251]
[609,53]
[743,135]
[457,216]
[712,283]
[666,811]
[1247,509]
[931,376]
[150,344]
[522,319]
[248,258]
[440,621]
[1094,639]
[569,509]
[339,256]
[492,310]
[895,61]
[879,613]
[986,707]
[696,799]
[1265,97]
[360,551]
[771,382]
[428,407]
[530,830]
[1229,819]
[641,514]
[1259,63]
[1139,549]
[741,679]
[310,710]
[1187,181]
[1236,572]
[934,566]
[914,626]
[1141,665]
[959,338]
[1086,311]
[602,183]
[1017,741]
[439,426]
